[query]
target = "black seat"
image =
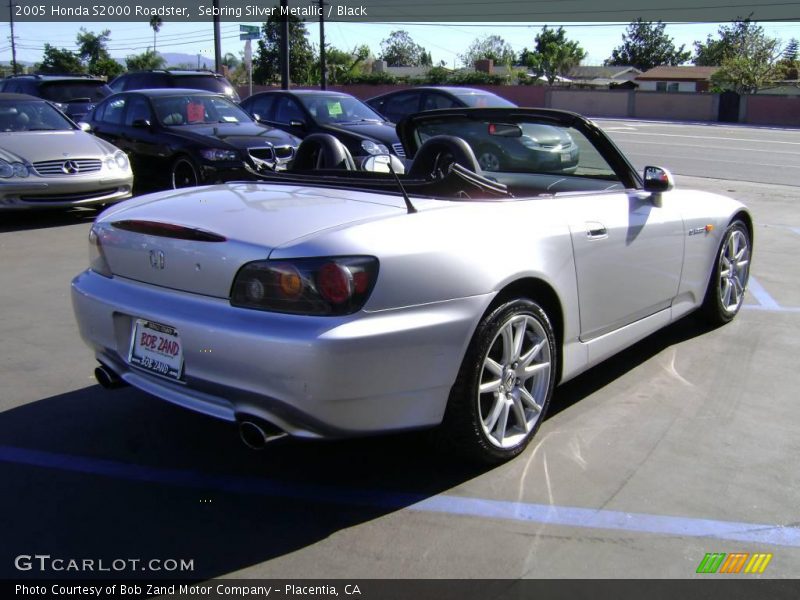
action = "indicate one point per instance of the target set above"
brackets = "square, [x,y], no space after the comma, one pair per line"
[434,157]
[322,151]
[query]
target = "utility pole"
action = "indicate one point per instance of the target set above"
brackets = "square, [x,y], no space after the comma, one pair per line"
[13,41]
[323,65]
[217,46]
[284,44]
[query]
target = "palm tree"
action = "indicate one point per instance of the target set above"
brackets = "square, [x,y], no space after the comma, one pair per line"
[155,22]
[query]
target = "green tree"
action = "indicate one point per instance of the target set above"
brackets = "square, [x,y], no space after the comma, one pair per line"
[789,62]
[55,60]
[400,50]
[713,52]
[554,54]
[156,22]
[266,58]
[754,61]
[145,61]
[645,45]
[491,47]
[94,54]
[343,65]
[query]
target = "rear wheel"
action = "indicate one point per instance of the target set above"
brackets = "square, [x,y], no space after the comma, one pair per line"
[184,173]
[504,385]
[725,293]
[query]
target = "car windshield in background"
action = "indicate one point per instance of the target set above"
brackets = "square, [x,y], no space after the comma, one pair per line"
[516,145]
[203,82]
[339,109]
[21,115]
[69,91]
[197,110]
[484,101]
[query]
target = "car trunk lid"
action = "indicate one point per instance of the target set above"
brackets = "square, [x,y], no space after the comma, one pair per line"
[196,240]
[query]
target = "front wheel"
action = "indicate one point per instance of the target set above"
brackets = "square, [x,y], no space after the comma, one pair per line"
[725,292]
[504,385]
[184,173]
[489,159]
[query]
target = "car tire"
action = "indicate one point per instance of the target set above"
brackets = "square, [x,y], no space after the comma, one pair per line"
[504,384]
[184,173]
[725,293]
[490,159]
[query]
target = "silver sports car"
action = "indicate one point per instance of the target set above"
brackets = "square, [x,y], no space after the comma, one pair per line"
[328,302]
[46,161]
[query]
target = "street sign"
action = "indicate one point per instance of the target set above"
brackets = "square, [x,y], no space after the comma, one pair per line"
[249,32]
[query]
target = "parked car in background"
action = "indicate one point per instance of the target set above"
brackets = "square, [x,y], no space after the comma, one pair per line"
[302,112]
[200,79]
[179,137]
[74,95]
[46,161]
[397,105]
[337,303]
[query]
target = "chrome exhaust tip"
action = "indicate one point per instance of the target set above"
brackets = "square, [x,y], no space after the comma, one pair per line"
[108,378]
[256,434]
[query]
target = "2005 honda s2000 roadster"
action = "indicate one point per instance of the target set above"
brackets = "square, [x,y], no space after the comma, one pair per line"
[336,299]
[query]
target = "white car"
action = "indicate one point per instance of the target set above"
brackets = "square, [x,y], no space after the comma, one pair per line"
[327,302]
[46,161]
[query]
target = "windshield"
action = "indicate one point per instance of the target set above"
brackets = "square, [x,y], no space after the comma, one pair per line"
[204,82]
[22,115]
[484,101]
[523,146]
[338,109]
[195,110]
[70,91]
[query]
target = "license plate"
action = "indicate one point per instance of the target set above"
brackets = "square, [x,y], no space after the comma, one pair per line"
[565,157]
[157,348]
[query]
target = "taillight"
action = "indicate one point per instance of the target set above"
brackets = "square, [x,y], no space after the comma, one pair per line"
[97,260]
[309,286]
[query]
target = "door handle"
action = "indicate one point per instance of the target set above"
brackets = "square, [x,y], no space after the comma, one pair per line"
[596,231]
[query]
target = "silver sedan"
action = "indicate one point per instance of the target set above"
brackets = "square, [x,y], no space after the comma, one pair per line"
[46,161]
[344,303]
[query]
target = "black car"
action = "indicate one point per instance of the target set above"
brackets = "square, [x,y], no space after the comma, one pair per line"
[74,95]
[396,105]
[178,138]
[303,112]
[200,79]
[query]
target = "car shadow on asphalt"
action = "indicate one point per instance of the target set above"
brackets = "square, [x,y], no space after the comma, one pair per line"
[42,219]
[118,475]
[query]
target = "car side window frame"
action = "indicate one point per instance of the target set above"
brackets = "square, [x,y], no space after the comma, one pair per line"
[130,106]
[289,101]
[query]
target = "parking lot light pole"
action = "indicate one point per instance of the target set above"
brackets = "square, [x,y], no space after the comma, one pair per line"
[323,66]
[284,44]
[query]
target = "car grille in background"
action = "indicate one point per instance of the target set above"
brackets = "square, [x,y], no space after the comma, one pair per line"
[284,152]
[262,153]
[72,166]
[398,149]
[74,197]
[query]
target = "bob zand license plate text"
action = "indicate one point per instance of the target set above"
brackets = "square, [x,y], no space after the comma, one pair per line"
[157,348]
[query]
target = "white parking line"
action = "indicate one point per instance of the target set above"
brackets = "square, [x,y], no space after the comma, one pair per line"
[710,137]
[765,301]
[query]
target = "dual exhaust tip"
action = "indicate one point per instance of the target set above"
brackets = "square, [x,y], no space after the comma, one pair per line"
[254,432]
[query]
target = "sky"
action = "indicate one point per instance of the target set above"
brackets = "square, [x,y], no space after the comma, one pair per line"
[445,41]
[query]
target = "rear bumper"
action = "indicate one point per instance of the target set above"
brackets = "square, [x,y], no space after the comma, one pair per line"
[311,376]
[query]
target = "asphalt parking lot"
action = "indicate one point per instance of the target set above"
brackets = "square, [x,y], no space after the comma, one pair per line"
[683,445]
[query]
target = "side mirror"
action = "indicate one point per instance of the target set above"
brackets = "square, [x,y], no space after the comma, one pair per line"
[84,126]
[298,124]
[257,118]
[657,180]
[141,124]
